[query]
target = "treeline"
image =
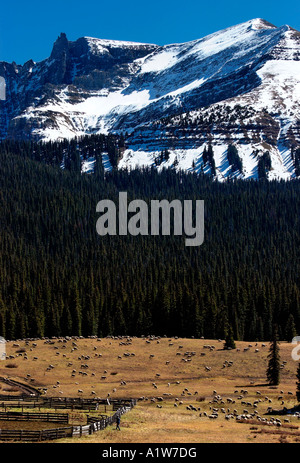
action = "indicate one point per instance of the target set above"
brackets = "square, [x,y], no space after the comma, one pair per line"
[58,277]
[68,154]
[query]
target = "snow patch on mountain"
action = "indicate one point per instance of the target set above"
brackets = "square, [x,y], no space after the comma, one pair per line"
[178,97]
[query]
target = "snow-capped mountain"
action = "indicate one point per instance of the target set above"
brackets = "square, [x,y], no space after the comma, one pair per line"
[239,86]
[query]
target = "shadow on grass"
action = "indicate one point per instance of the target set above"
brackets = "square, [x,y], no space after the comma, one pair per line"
[258,385]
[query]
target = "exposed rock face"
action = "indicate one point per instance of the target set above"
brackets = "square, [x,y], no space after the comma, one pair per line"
[74,68]
[239,86]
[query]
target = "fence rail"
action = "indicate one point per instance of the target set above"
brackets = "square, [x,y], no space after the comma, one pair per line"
[95,419]
[33,436]
[19,397]
[27,416]
[50,404]
[72,403]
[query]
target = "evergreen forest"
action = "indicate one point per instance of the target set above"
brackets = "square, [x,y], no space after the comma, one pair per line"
[59,277]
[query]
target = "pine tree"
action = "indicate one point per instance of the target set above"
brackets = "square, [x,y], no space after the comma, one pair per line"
[290,330]
[75,311]
[273,370]
[2,318]
[204,155]
[229,340]
[210,155]
[298,384]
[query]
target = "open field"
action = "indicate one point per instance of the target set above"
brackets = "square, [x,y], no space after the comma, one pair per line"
[168,368]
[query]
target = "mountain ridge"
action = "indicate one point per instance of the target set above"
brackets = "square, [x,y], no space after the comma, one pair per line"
[100,86]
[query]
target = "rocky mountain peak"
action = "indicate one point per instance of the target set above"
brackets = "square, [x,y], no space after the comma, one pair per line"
[259,23]
[60,47]
[239,86]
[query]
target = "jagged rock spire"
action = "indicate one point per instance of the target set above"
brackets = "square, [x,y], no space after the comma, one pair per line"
[60,47]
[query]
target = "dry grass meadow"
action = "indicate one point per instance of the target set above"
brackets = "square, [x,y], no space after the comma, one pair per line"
[181,371]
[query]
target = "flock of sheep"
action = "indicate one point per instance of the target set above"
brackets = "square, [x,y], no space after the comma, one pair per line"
[216,407]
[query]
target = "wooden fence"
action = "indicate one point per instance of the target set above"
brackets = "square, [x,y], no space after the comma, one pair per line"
[95,419]
[72,431]
[26,388]
[67,400]
[34,436]
[19,397]
[52,404]
[27,416]
[63,403]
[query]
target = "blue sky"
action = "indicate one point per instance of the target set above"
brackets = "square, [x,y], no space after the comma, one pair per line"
[28,29]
